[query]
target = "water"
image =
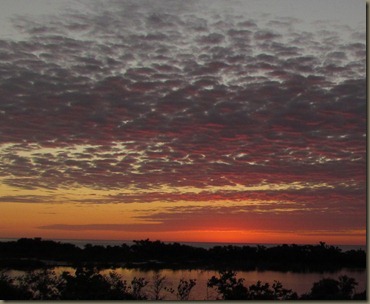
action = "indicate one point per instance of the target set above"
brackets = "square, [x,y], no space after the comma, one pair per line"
[298,282]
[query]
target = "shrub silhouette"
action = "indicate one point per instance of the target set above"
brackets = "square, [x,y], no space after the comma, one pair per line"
[89,284]
[231,288]
[43,285]
[10,291]
[347,286]
[228,286]
[137,284]
[261,291]
[158,284]
[184,288]
[331,289]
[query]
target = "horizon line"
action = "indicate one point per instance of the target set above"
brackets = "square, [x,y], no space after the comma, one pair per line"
[181,242]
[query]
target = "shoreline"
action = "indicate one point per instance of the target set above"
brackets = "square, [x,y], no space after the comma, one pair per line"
[206,245]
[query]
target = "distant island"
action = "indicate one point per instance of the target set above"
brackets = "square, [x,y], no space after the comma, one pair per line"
[28,253]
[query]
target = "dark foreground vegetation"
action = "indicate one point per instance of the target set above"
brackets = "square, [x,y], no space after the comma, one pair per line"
[89,284]
[145,254]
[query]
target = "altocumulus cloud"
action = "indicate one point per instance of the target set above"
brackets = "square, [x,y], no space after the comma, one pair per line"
[184,94]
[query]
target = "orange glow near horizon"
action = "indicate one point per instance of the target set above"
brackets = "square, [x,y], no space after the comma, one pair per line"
[22,220]
[242,237]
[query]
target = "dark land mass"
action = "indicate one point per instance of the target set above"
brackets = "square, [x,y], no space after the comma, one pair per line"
[37,257]
[145,254]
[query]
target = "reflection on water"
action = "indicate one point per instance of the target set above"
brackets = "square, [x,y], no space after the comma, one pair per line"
[298,282]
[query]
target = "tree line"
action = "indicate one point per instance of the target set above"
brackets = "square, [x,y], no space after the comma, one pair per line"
[36,252]
[90,284]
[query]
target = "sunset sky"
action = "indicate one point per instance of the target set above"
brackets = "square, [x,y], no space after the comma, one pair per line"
[208,120]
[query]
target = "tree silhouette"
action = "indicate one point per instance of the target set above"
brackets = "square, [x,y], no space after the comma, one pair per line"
[184,288]
[331,289]
[119,290]
[43,285]
[159,283]
[137,285]
[347,286]
[228,286]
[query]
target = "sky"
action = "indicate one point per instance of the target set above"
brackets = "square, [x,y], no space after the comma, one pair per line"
[202,121]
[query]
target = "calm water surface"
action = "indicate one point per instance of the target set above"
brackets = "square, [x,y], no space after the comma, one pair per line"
[298,282]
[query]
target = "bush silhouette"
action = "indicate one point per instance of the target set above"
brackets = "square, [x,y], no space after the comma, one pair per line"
[331,289]
[10,291]
[89,284]
[228,286]
[231,288]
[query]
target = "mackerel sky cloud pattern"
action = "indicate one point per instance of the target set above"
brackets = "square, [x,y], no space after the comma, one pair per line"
[188,101]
